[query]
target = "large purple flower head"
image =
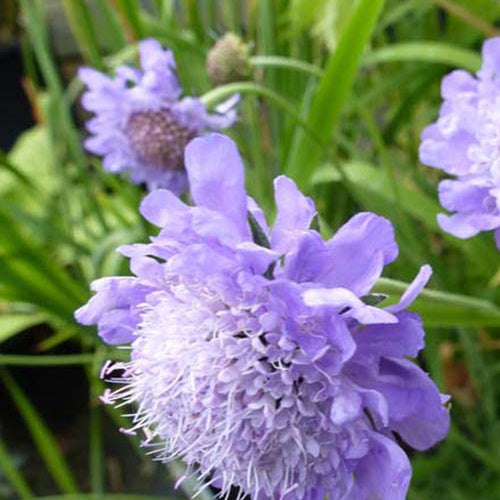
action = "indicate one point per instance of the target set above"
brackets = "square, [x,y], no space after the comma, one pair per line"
[141,124]
[258,355]
[465,143]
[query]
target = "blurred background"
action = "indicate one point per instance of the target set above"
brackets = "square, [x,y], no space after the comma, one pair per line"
[337,96]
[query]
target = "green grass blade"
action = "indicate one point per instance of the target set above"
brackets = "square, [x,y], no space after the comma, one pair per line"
[43,438]
[131,11]
[10,471]
[45,359]
[428,52]
[333,90]
[96,445]
[115,36]
[442,309]
[13,323]
[371,186]
[286,63]
[82,26]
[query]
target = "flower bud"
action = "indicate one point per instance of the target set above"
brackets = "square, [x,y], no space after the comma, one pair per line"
[229,60]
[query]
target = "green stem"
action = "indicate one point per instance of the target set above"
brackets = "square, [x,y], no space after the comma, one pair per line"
[45,360]
[220,93]
[287,63]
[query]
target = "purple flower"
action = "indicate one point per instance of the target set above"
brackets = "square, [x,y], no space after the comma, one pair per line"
[141,124]
[256,356]
[465,143]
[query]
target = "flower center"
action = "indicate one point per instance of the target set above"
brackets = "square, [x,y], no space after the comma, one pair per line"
[158,138]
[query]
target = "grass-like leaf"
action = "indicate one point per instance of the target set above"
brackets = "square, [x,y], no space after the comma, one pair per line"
[43,438]
[10,471]
[333,91]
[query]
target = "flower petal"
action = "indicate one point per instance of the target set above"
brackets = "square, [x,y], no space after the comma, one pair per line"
[358,253]
[217,179]
[345,302]
[415,287]
[295,212]
[416,410]
[384,473]
[162,208]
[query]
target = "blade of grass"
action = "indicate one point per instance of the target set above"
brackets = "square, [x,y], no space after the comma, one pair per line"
[115,36]
[82,26]
[43,438]
[286,63]
[468,17]
[371,187]
[39,41]
[10,470]
[96,450]
[12,323]
[45,359]
[428,52]
[130,10]
[475,450]
[442,309]
[333,91]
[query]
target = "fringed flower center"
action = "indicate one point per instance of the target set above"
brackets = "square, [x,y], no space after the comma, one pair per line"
[158,138]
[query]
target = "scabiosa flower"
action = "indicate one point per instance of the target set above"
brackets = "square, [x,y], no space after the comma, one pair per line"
[465,143]
[141,123]
[257,354]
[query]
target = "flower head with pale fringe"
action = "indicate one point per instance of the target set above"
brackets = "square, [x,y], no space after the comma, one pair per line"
[260,356]
[141,124]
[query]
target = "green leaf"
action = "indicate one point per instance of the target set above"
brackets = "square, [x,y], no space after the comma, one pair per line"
[132,13]
[428,52]
[371,186]
[333,91]
[45,359]
[325,19]
[43,438]
[82,26]
[30,161]
[371,183]
[12,324]
[442,309]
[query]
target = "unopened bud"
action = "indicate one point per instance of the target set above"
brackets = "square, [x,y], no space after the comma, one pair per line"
[229,60]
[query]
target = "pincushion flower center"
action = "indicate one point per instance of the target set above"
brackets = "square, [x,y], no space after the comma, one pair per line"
[157,138]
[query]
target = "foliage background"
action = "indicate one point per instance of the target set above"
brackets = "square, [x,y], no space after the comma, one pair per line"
[340,93]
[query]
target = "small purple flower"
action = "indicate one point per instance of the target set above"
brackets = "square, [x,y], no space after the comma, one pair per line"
[141,124]
[465,143]
[257,355]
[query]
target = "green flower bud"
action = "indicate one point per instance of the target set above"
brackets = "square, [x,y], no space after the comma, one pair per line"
[229,60]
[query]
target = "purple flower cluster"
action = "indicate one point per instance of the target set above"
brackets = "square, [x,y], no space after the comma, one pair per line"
[258,354]
[141,124]
[465,143]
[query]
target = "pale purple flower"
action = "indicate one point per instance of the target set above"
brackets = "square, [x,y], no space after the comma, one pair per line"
[256,356]
[465,143]
[141,124]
